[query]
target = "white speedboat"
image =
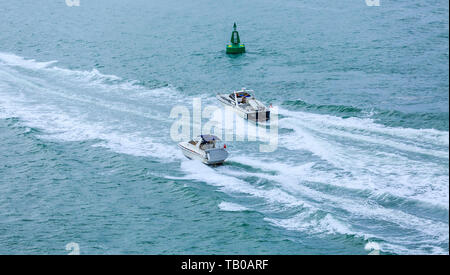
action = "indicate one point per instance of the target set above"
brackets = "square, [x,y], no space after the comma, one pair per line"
[245,105]
[205,148]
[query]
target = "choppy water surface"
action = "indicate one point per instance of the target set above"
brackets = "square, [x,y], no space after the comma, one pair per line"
[86,154]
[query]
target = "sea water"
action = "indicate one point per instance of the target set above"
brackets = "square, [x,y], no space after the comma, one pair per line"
[87,159]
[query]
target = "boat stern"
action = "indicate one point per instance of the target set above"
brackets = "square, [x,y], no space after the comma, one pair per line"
[261,116]
[216,156]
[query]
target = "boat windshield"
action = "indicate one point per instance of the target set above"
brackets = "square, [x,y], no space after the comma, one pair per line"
[212,145]
[209,142]
[207,145]
[241,97]
[209,138]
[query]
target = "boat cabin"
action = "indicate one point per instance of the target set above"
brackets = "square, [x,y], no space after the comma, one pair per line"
[241,97]
[205,142]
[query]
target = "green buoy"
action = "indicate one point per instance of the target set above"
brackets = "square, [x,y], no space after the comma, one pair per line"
[235,46]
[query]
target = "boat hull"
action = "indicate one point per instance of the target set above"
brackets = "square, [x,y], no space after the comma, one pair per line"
[210,157]
[261,116]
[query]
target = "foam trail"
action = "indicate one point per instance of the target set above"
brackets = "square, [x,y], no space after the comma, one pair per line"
[332,176]
[14,60]
[367,126]
[314,220]
[74,108]
[307,222]
[288,179]
[402,169]
[350,129]
[402,177]
[233,207]
[356,156]
[196,170]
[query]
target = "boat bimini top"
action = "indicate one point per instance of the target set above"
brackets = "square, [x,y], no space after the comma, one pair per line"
[209,138]
[238,96]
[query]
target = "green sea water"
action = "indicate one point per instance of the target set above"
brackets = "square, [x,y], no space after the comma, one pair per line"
[86,154]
